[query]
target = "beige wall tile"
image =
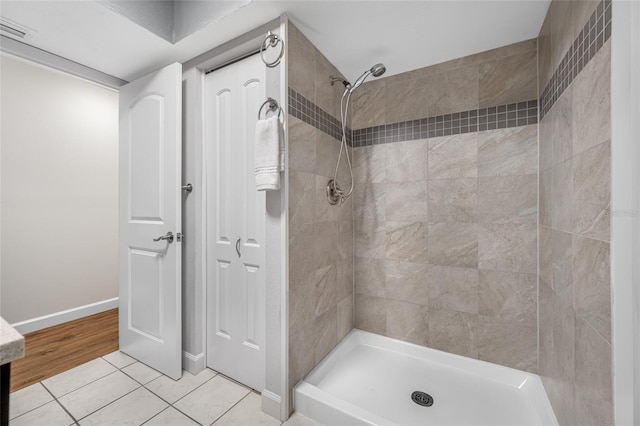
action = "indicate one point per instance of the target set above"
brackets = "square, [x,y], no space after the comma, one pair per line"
[452,200]
[592,102]
[562,215]
[406,241]
[369,164]
[344,272]
[407,321]
[544,56]
[593,390]
[406,161]
[508,199]
[326,334]
[327,151]
[562,265]
[406,281]
[545,256]
[582,10]
[301,256]
[302,71]
[325,289]
[452,91]
[561,16]
[453,244]
[508,80]
[545,203]
[453,157]
[369,202]
[556,132]
[591,283]
[509,343]
[508,296]
[367,105]
[454,332]
[508,247]
[453,289]
[327,96]
[592,192]
[302,145]
[301,198]
[369,239]
[407,99]
[406,201]
[370,313]
[370,276]
[301,354]
[301,299]
[345,316]
[508,152]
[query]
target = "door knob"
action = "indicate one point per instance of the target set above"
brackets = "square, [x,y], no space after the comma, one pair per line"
[168,237]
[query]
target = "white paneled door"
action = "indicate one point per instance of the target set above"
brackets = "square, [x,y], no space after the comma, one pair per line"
[235,223]
[150,220]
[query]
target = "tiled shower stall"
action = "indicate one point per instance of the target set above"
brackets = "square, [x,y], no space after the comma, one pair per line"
[479,221]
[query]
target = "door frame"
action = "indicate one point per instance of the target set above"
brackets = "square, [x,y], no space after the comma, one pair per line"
[275,401]
[625,211]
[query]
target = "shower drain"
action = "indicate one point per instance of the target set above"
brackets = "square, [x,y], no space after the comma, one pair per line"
[422,398]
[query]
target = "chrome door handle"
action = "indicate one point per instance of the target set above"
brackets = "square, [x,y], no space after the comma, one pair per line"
[188,187]
[238,247]
[168,237]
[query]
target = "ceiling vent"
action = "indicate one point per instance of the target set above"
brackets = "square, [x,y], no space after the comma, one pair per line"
[14,30]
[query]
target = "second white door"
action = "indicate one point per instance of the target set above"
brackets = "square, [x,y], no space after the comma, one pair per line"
[235,223]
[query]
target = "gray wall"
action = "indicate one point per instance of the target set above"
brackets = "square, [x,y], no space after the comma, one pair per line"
[575,193]
[445,209]
[320,235]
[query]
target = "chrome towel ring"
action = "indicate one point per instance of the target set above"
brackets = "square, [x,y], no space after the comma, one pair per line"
[273,106]
[272,40]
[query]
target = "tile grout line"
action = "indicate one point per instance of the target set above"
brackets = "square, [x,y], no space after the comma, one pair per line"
[231,408]
[75,421]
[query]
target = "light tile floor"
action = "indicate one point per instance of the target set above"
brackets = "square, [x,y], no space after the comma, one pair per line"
[118,390]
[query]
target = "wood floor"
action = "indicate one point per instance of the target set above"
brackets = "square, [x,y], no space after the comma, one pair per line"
[62,347]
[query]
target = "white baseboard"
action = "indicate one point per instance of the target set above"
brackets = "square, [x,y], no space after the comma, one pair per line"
[193,363]
[271,404]
[57,318]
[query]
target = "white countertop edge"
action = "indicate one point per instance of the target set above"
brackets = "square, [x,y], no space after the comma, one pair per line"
[11,343]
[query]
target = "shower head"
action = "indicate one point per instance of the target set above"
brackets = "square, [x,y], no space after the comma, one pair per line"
[377,70]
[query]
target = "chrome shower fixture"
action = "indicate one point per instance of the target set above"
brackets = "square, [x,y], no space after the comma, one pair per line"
[334,193]
[334,80]
[377,70]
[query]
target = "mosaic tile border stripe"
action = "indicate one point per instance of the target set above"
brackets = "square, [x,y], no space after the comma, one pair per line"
[593,36]
[498,117]
[475,120]
[305,110]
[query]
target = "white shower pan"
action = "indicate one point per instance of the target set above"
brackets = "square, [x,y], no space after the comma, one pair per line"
[369,380]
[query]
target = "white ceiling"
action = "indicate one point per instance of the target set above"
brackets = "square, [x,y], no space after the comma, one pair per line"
[354,35]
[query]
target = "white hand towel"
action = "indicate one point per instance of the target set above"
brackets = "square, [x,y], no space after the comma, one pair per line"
[269,154]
